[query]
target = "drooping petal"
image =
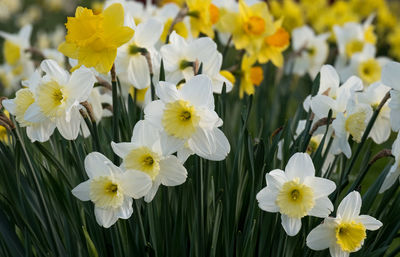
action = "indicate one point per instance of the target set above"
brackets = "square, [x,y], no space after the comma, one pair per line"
[135,183]
[202,143]
[322,208]
[122,149]
[154,188]
[153,112]
[125,210]
[69,130]
[321,237]
[291,226]
[275,179]
[329,79]
[391,75]
[138,72]
[105,217]
[40,131]
[172,172]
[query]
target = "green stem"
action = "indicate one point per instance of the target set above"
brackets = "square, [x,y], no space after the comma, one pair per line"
[115,110]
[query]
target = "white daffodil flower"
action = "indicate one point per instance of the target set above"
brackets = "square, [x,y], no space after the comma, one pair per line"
[352,37]
[353,122]
[24,98]
[187,116]
[180,55]
[312,52]
[346,233]
[394,172]
[131,65]
[110,189]
[332,96]
[151,154]
[373,96]
[15,55]
[296,193]
[391,78]
[58,96]
[365,65]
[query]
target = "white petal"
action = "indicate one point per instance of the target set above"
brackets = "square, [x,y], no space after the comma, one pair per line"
[70,130]
[105,217]
[126,210]
[369,222]
[350,206]
[336,251]
[321,237]
[321,104]
[322,208]
[391,75]
[266,200]
[153,112]
[148,33]
[275,179]
[34,114]
[134,183]
[54,70]
[172,172]
[183,154]
[329,79]
[145,134]
[97,165]
[82,191]
[40,131]
[81,84]
[291,226]
[122,149]
[9,105]
[198,91]
[202,143]
[167,92]
[321,187]
[391,178]
[300,166]
[138,72]
[150,195]
[170,145]
[222,146]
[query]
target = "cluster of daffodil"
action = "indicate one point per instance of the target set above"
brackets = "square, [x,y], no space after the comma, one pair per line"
[166,60]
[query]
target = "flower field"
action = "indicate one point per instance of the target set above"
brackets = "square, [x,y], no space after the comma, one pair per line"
[200,128]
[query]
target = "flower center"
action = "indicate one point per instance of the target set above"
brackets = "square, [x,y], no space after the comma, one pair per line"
[105,192]
[214,13]
[23,99]
[51,99]
[354,46]
[295,200]
[256,75]
[144,160]
[350,235]
[180,119]
[370,71]
[254,26]
[11,52]
[355,125]
[279,39]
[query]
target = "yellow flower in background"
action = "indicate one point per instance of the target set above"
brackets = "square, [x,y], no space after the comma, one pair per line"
[312,9]
[394,42]
[203,15]
[3,130]
[338,13]
[291,11]
[180,29]
[249,27]
[366,7]
[386,19]
[251,76]
[93,39]
[274,45]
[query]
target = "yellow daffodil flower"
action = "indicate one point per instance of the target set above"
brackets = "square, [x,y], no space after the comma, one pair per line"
[93,39]
[274,45]
[250,76]
[203,15]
